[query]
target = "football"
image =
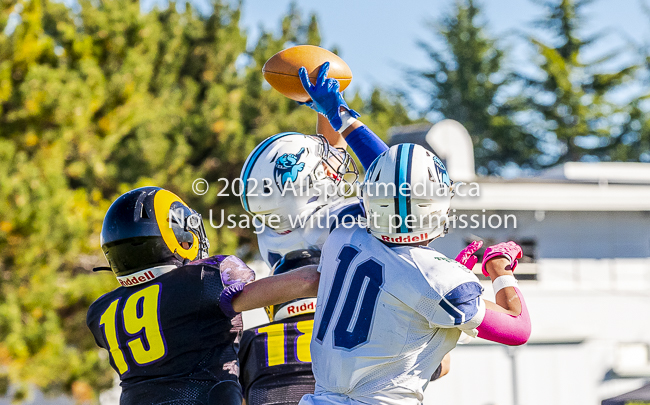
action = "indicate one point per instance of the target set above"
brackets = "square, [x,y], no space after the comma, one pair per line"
[281,70]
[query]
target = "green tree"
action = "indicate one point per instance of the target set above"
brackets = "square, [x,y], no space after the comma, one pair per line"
[571,114]
[92,104]
[95,101]
[630,140]
[466,81]
[381,110]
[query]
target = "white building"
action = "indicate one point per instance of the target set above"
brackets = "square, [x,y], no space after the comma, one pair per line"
[585,230]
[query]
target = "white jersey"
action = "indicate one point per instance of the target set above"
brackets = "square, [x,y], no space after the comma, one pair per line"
[313,232]
[385,318]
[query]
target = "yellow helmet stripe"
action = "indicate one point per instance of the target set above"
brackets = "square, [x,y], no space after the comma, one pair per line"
[162,203]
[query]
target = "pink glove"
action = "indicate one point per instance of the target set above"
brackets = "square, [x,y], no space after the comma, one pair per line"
[510,250]
[466,256]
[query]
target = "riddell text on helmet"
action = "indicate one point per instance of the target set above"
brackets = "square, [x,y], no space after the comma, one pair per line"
[406,239]
[299,309]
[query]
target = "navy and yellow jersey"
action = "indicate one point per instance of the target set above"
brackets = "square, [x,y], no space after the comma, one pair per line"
[275,361]
[169,331]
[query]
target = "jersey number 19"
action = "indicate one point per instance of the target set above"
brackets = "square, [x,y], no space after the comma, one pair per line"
[139,318]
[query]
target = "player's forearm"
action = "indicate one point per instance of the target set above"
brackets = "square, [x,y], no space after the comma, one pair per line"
[506,321]
[334,138]
[501,326]
[299,283]
[356,124]
[507,299]
[364,143]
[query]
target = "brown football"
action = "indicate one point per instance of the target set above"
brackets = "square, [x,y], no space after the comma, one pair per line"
[281,70]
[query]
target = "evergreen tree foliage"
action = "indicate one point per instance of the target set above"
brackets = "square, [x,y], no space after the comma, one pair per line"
[572,115]
[630,135]
[95,101]
[630,140]
[465,82]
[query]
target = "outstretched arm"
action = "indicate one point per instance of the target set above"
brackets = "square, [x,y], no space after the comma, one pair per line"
[507,299]
[364,143]
[506,321]
[299,283]
[334,138]
[329,102]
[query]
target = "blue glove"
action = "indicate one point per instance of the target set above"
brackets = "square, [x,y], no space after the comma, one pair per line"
[325,96]
[234,276]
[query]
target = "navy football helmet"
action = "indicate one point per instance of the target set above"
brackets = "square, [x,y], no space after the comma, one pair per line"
[292,261]
[149,227]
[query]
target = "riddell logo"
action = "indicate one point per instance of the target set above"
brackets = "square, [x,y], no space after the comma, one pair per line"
[298,309]
[407,239]
[135,280]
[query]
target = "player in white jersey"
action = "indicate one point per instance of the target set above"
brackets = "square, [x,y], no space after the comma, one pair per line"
[389,307]
[304,220]
[296,183]
[379,330]
[358,299]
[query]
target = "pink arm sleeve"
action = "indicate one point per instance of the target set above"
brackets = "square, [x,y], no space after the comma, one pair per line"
[507,329]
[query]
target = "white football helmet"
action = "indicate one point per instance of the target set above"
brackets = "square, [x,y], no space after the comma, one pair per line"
[406,195]
[292,174]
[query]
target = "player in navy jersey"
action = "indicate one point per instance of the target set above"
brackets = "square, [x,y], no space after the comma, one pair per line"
[275,362]
[166,336]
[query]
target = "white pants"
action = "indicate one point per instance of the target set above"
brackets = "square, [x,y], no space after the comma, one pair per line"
[383,398]
[328,399]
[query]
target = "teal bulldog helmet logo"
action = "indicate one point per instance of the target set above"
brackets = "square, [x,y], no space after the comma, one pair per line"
[441,172]
[287,168]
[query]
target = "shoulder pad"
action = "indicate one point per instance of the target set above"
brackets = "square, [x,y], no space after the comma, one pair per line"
[209,261]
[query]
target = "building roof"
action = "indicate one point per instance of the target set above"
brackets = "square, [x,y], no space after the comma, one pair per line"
[600,172]
[573,186]
[534,195]
[415,133]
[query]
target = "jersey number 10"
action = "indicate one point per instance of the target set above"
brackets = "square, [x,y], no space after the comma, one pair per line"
[139,320]
[354,322]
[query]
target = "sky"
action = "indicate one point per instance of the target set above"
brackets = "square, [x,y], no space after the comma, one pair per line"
[378,38]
